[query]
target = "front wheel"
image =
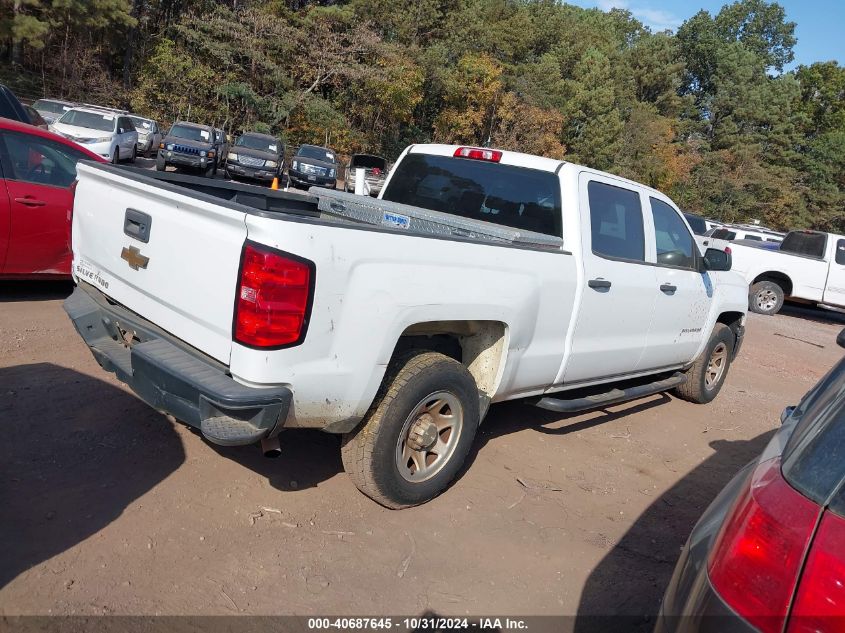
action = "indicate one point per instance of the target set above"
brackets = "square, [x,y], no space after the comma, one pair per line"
[161,164]
[211,171]
[765,297]
[707,375]
[115,156]
[418,432]
[134,154]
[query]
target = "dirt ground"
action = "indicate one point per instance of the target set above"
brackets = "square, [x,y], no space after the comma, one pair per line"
[108,508]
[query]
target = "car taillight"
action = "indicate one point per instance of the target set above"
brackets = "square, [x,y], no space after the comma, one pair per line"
[273,298]
[758,552]
[479,153]
[820,603]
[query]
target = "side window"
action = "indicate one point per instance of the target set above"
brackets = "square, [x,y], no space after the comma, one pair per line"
[40,161]
[675,245]
[616,222]
[756,238]
[840,252]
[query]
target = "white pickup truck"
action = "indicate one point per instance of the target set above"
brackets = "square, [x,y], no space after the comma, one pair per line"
[478,276]
[809,266]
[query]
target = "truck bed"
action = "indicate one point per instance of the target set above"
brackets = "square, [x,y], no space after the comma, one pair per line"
[339,207]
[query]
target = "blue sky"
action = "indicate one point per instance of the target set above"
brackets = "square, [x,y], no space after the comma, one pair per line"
[819,27]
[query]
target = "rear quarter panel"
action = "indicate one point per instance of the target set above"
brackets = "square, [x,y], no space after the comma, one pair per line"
[371,286]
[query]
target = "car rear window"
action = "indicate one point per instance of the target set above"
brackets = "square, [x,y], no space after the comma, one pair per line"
[517,197]
[807,243]
[723,234]
[696,223]
[814,458]
[368,162]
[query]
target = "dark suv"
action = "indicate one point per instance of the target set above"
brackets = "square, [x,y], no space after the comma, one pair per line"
[256,157]
[313,165]
[189,145]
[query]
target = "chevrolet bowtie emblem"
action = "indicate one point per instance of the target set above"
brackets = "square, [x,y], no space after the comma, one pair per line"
[134,258]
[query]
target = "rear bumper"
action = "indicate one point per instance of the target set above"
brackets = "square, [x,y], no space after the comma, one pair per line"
[174,378]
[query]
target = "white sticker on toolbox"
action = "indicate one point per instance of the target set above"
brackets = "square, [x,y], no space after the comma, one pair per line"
[394,219]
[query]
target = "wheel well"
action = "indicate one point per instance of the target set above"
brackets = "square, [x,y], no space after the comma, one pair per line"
[778,278]
[732,319]
[478,345]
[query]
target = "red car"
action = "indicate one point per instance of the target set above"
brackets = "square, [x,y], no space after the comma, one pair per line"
[37,176]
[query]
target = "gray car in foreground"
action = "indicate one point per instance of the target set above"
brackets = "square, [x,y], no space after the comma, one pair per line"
[769,553]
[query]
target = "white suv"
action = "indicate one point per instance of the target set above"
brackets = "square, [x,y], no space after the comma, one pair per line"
[110,134]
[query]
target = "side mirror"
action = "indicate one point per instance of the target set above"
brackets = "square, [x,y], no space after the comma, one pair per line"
[717,260]
[840,340]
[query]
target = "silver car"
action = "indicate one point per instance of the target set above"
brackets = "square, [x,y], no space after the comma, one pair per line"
[149,135]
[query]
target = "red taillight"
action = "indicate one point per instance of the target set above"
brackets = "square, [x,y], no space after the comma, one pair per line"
[376,171]
[820,603]
[728,250]
[758,552]
[479,153]
[273,300]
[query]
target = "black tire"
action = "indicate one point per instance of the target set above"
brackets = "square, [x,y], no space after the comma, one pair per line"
[700,387]
[115,157]
[211,171]
[134,154]
[161,164]
[765,297]
[371,453]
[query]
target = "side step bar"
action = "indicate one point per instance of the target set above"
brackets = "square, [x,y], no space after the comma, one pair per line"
[613,396]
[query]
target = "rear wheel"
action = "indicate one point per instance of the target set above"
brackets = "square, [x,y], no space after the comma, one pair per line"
[765,297]
[707,375]
[418,432]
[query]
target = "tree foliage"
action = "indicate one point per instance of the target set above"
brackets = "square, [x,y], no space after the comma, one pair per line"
[707,114]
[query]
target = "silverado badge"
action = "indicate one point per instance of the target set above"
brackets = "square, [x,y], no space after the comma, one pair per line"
[133,257]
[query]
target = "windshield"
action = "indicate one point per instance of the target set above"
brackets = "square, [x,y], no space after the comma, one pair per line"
[518,197]
[141,124]
[317,153]
[259,143]
[50,106]
[368,162]
[91,120]
[190,133]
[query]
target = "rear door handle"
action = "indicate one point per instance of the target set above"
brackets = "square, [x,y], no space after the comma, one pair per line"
[31,202]
[668,288]
[599,283]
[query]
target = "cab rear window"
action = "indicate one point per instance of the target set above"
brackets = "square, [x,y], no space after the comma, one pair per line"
[517,197]
[807,243]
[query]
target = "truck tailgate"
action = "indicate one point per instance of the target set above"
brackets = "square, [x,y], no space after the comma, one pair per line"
[181,275]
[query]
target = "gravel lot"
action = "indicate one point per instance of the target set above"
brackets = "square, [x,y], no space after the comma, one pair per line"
[107,508]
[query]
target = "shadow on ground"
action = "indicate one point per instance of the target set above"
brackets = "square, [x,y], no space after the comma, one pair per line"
[27,290]
[76,451]
[812,313]
[309,457]
[623,592]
